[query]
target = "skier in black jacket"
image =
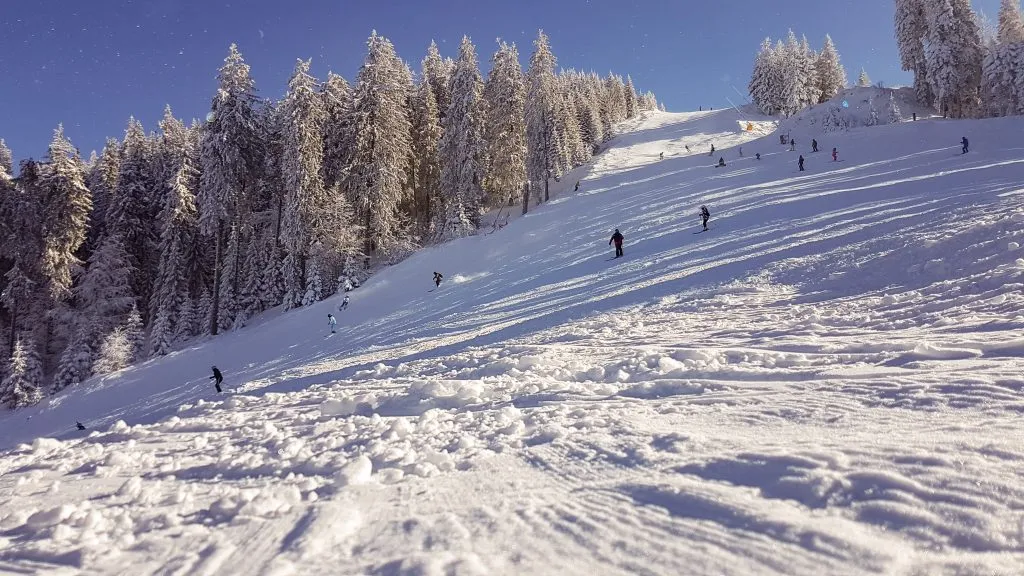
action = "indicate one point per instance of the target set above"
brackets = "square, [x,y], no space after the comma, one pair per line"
[617,237]
[705,215]
[963,141]
[217,378]
[437,279]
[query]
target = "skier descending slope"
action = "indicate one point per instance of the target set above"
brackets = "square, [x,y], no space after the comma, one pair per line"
[963,142]
[217,378]
[801,163]
[437,279]
[332,322]
[617,237]
[344,303]
[705,215]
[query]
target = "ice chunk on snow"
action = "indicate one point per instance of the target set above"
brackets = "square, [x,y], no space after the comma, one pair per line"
[355,472]
[49,518]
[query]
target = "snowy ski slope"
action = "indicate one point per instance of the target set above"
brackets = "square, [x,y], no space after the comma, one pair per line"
[829,381]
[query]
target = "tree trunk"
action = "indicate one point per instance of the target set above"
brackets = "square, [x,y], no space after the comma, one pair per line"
[369,242]
[526,197]
[14,329]
[546,197]
[217,256]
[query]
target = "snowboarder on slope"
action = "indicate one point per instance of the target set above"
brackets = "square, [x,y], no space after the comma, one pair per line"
[617,237]
[217,378]
[577,189]
[721,162]
[801,163]
[437,279]
[814,145]
[332,322]
[705,215]
[344,303]
[79,425]
[758,155]
[963,141]
[712,153]
[661,156]
[835,155]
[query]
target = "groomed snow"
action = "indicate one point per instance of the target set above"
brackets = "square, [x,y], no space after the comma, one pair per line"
[829,381]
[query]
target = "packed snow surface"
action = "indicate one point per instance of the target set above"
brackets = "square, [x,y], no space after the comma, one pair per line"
[829,381]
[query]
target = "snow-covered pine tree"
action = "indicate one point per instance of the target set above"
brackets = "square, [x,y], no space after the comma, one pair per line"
[911,30]
[542,137]
[128,214]
[339,134]
[810,92]
[615,96]
[1003,64]
[228,306]
[6,160]
[631,98]
[761,86]
[1011,24]
[179,227]
[307,211]
[24,376]
[382,149]
[954,56]
[115,352]
[135,333]
[102,183]
[830,72]
[17,297]
[426,142]
[872,113]
[231,155]
[863,80]
[104,295]
[205,312]
[22,246]
[588,113]
[188,321]
[437,71]
[895,116]
[574,152]
[463,148]
[76,361]
[790,72]
[505,94]
[65,215]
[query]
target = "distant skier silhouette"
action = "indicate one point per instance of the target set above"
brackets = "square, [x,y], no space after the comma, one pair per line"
[721,162]
[801,163]
[705,215]
[712,153]
[437,279]
[332,322]
[344,303]
[835,155]
[963,141]
[814,145]
[80,426]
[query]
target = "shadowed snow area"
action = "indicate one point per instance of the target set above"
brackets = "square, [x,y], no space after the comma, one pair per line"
[828,381]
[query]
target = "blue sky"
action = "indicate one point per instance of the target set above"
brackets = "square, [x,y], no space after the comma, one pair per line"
[91,65]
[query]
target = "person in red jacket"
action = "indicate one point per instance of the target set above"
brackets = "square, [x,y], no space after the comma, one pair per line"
[617,238]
